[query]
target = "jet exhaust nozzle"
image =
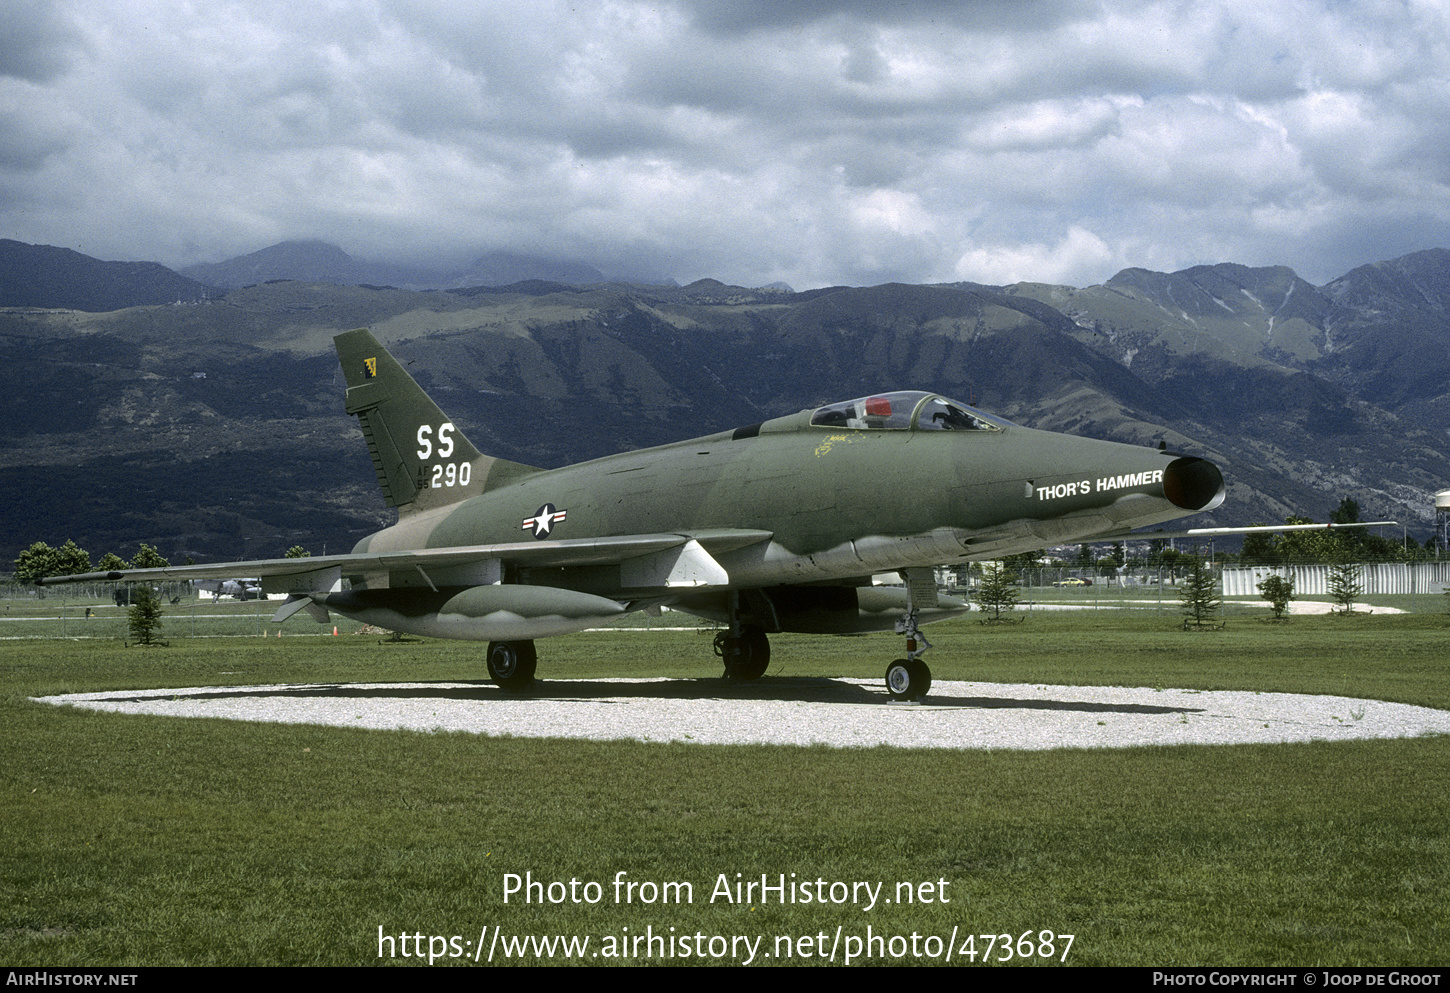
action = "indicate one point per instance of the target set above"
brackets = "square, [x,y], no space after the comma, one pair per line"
[1193,484]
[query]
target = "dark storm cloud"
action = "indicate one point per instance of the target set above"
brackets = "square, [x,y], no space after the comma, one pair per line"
[752,16]
[37,42]
[808,142]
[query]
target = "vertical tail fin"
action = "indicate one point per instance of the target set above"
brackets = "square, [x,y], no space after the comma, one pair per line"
[421,458]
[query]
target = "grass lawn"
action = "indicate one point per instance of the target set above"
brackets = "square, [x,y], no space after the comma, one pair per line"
[138,840]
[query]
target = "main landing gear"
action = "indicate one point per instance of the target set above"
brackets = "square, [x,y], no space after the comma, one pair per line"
[743,648]
[909,678]
[511,664]
[746,654]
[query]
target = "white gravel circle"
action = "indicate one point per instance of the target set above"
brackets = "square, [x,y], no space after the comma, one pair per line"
[842,713]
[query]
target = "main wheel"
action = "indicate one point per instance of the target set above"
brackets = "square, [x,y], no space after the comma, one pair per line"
[908,679]
[511,664]
[746,657]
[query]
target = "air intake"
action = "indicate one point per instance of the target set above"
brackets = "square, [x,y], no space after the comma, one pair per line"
[1193,484]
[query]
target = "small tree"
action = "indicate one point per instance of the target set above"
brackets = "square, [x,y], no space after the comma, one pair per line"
[1314,545]
[1199,595]
[1172,560]
[1344,584]
[1022,561]
[41,560]
[1260,549]
[36,561]
[297,552]
[148,558]
[1278,590]
[997,591]
[144,614]
[112,563]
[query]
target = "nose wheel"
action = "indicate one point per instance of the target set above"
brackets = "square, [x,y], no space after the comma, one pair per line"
[909,678]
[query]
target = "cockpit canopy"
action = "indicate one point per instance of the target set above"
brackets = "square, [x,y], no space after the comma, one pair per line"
[906,410]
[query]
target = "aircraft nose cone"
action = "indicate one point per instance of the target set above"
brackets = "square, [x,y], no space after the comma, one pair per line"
[1193,484]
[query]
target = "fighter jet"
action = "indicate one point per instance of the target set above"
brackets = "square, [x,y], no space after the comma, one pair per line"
[238,589]
[778,526]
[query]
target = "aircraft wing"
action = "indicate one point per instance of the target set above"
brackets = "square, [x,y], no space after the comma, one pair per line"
[671,559]
[1089,528]
[1256,529]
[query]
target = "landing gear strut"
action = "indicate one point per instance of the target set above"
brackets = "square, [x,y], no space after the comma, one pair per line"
[511,664]
[909,678]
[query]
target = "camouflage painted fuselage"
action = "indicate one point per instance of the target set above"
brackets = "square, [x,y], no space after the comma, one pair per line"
[826,503]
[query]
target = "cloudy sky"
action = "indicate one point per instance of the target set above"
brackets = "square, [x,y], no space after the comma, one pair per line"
[745,140]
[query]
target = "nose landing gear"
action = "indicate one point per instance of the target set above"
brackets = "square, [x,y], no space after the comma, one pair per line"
[909,678]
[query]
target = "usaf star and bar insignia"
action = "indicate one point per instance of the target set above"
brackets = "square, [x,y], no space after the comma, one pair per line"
[543,521]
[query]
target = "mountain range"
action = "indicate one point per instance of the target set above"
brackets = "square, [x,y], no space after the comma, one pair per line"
[212,426]
[318,261]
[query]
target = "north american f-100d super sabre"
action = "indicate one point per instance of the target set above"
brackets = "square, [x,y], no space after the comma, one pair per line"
[774,527]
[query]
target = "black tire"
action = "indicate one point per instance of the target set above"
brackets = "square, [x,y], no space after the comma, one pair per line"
[908,679]
[754,655]
[921,678]
[511,664]
[746,657]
